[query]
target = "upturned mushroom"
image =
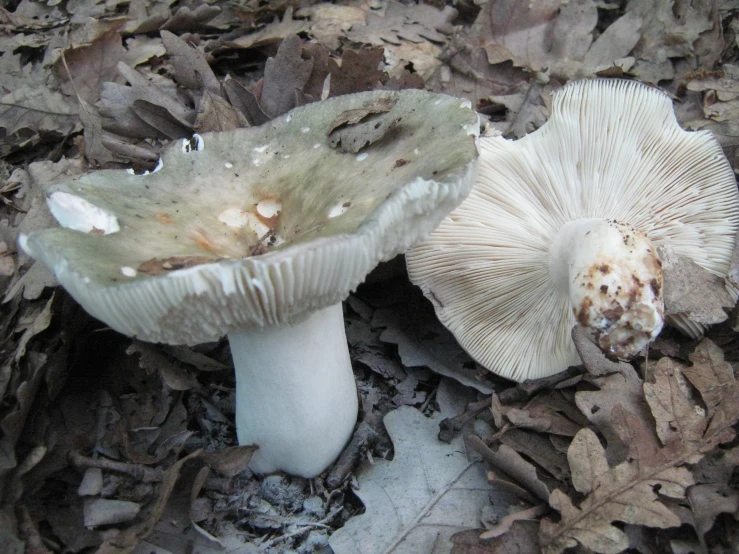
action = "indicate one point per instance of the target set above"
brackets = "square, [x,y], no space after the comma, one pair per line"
[259,234]
[562,227]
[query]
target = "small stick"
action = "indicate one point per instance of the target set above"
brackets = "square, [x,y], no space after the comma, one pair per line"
[363,437]
[137,471]
[449,427]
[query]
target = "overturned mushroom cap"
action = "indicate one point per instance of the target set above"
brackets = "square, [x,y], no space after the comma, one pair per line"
[260,226]
[612,152]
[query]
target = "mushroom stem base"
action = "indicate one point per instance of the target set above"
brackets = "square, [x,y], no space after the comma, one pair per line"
[295,393]
[613,278]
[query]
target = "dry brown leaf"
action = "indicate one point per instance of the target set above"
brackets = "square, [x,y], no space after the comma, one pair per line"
[190,66]
[185,19]
[520,539]
[38,109]
[399,23]
[245,102]
[677,415]
[95,150]
[215,114]
[692,290]
[538,448]
[623,493]
[513,465]
[670,32]
[708,502]
[272,33]
[118,105]
[89,66]
[329,23]
[357,73]
[546,36]
[152,359]
[283,75]
[230,461]
[160,120]
[714,379]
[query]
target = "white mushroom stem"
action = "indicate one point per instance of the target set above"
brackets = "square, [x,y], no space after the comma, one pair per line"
[613,278]
[295,393]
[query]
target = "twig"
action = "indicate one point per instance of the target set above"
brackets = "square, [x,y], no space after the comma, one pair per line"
[527,389]
[306,527]
[28,532]
[364,436]
[137,471]
[449,427]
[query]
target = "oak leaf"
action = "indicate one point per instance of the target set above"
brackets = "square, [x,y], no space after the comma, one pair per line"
[624,493]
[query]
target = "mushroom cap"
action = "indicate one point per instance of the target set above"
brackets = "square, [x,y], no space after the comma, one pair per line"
[612,149]
[171,256]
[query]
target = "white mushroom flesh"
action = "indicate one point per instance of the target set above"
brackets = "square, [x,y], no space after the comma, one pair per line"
[613,278]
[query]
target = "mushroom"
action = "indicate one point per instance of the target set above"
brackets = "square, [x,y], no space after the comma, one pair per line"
[259,234]
[561,227]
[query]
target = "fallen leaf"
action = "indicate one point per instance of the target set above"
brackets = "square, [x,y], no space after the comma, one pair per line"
[621,493]
[547,36]
[230,461]
[399,23]
[678,418]
[283,74]
[215,114]
[329,23]
[514,467]
[423,341]
[357,73]
[185,19]
[190,66]
[89,66]
[37,109]
[418,500]
[273,33]
[693,291]
[714,379]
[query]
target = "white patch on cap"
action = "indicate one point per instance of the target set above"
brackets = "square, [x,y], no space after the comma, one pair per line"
[416,151]
[73,212]
[465,104]
[128,271]
[194,144]
[255,224]
[437,102]
[23,242]
[317,145]
[289,118]
[339,209]
[362,156]
[229,165]
[160,165]
[305,129]
[233,217]
[269,208]
[261,149]
[130,171]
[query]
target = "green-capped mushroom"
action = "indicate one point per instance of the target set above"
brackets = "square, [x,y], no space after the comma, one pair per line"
[259,234]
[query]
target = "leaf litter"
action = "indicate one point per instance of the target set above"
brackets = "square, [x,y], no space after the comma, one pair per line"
[111,445]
